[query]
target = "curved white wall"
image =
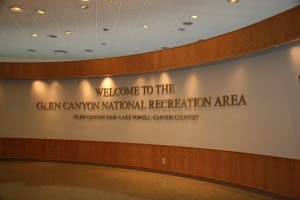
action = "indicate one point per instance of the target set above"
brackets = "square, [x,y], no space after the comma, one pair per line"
[268,124]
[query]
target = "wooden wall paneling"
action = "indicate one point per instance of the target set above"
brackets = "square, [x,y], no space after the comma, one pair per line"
[247,170]
[192,162]
[178,162]
[280,29]
[165,154]
[280,176]
[87,152]
[144,156]
[126,154]
[135,156]
[296,178]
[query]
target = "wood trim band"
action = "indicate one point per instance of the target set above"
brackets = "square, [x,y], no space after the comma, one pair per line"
[272,174]
[280,29]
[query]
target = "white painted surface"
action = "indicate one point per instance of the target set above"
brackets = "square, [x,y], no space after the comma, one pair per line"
[268,125]
[125,20]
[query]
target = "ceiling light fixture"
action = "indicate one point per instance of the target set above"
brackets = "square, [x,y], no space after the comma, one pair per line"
[84,7]
[105,29]
[34,35]
[187,23]
[146,26]
[85,0]
[68,32]
[233,1]
[16,9]
[194,16]
[108,1]
[39,11]
[88,50]
[60,51]
[52,36]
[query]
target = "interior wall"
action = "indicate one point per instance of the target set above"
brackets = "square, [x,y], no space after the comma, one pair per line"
[267,125]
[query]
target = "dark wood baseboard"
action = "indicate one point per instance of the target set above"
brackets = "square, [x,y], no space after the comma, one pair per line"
[276,175]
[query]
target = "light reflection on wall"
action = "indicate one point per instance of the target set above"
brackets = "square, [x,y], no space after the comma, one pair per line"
[192,86]
[295,58]
[39,89]
[140,81]
[165,78]
[107,82]
[86,91]
[55,89]
[238,78]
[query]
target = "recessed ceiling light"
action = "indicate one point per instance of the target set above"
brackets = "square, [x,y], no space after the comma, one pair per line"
[187,23]
[85,0]
[34,35]
[39,11]
[108,1]
[146,26]
[16,9]
[52,36]
[194,16]
[105,29]
[233,1]
[84,7]
[60,51]
[68,32]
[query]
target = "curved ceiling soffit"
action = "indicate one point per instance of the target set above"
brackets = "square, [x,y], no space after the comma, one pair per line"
[277,30]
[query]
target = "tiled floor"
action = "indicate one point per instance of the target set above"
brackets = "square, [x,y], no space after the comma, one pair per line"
[43,180]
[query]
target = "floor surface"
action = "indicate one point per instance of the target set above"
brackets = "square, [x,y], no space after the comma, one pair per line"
[45,180]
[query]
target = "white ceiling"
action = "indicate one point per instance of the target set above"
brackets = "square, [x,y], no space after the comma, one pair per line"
[125,20]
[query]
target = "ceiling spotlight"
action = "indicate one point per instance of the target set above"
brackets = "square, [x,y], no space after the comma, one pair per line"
[34,35]
[16,9]
[84,7]
[85,0]
[194,16]
[39,11]
[52,36]
[146,26]
[60,51]
[233,1]
[108,1]
[187,23]
[68,32]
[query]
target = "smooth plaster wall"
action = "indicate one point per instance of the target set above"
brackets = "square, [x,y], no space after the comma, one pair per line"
[268,125]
